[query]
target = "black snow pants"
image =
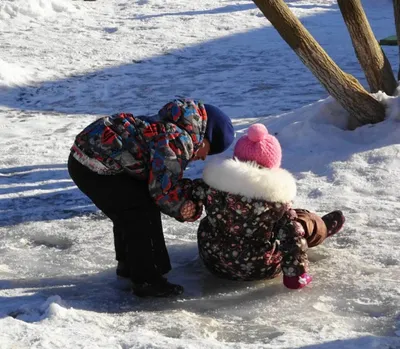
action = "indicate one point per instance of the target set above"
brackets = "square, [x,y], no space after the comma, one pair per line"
[138,234]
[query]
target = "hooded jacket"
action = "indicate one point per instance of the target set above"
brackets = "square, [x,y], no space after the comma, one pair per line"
[250,231]
[156,149]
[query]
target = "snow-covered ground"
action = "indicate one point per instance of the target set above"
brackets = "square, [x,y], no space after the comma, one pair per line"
[63,63]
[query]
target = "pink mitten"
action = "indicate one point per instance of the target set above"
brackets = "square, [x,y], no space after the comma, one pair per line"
[296,282]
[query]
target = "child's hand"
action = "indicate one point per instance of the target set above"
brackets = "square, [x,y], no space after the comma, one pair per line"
[188,210]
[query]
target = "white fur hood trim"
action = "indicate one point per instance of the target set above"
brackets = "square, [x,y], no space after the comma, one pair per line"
[247,179]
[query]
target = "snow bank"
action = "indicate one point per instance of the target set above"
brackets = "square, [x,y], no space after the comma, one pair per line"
[35,8]
[14,75]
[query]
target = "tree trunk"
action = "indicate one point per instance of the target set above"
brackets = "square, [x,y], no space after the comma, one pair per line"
[340,85]
[373,60]
[396,7]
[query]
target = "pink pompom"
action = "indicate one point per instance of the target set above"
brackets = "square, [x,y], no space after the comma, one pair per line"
[257,132]
[260,147]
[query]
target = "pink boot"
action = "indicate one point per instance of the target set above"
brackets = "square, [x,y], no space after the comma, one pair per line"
[296,282]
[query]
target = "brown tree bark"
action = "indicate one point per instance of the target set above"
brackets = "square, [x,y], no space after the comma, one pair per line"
[342,86]
[373,60]
[396,8]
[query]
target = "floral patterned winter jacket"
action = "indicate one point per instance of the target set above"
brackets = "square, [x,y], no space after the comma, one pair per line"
[156,149]
[249,232]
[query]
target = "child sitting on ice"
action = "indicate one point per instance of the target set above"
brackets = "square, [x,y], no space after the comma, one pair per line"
[251,231]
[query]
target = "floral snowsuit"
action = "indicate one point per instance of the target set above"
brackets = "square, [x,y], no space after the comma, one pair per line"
[250,231]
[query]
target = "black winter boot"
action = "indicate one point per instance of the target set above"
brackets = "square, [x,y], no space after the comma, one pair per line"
[158,288]
[334,222]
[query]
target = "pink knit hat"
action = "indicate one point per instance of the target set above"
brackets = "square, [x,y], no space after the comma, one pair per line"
[259,146]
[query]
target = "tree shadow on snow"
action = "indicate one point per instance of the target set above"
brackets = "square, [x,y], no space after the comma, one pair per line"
[256,66]
[219,10]
[59,199]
